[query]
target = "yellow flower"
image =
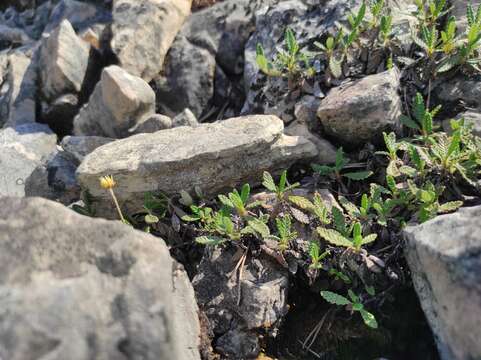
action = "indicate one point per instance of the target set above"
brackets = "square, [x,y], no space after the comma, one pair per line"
[107,182]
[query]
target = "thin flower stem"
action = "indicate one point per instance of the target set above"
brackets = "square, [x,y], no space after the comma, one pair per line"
[117,204]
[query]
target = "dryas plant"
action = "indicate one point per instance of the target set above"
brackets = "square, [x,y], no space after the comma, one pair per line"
[290,61]
[353,304]
[337,170]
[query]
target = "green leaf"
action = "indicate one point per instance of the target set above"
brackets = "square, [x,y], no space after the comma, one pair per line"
[259,227]
[450,206]
[408,122]
[333,237]
[151,219]
[210,240]
[369,239]
[268,182]
[291,42]
[335,67]
[245,192]
[189,218]
[323,169]
[334,298]
[301,202]
[369,319]
[185,198]
[282,182]
[358,175]
[226,201]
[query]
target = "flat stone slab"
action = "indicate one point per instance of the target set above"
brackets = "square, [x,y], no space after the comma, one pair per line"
[213,157]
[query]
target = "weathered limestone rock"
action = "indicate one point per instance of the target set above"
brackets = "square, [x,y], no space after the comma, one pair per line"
[74,288]
[18,79]
[185,118]
[152,124]
[64,60]
[358,112]
[460,88]
[80,146]
[55,179]
[263,299]
[211,156]
[119,101]
[444,256]
[210,39]
[143,31]
[22,149]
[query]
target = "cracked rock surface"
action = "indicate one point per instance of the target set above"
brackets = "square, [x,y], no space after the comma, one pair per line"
[84,288]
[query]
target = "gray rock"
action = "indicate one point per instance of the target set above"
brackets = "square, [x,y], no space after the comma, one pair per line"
[460,88]
[18,80]
[80,14]
[263,299]
[326,151]
[119,101]
[64,59]
[273,95]
[79,288]
[211,156]
[152,124]
[12,37]
[215,33]
[444,257]
[143,31]
[22,149]
[55,179]
[358,112]
[185,118]
[81,146]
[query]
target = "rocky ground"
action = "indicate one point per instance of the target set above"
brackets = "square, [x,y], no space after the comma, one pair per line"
[125,125]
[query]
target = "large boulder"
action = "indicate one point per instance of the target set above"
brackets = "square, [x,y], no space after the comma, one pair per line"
[211,42]
[213,157]
[460,89]
[79,288]
[64,60]
[22,149]
[119,101]
[18,80]
[444,257]
[142,32]
[358,112]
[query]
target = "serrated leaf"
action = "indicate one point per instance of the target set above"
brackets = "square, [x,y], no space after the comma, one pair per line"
[226,201]
[333,237]
[189,218]
[358,175]
[450,206]
[210,240]
[335,67]
[369,319]
[408,170]
[301,202]
[334,298]
[408,122]
[349,206]
[369,239]
[268,182]
[300,216]
[259,227]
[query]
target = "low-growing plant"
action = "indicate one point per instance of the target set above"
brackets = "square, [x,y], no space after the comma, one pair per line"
[353,304]
[337,170]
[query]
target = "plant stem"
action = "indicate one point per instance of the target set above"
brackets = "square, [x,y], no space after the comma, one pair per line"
[114,198]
